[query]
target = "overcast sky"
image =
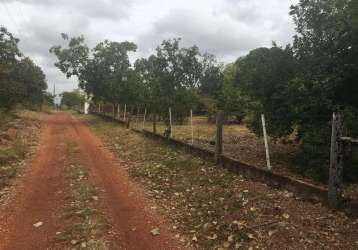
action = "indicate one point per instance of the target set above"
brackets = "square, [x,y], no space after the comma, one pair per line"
[226,28]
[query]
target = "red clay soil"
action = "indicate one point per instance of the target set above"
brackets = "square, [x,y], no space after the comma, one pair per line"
[40,197]
[126,208]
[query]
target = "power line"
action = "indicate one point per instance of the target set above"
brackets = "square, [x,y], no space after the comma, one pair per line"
[10,17]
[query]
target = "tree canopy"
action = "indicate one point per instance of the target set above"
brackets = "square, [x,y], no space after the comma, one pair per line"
[21,80]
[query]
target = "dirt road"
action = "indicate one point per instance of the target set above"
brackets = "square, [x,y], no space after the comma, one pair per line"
[40,195]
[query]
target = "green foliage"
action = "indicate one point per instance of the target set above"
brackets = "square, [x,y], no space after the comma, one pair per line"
[298,87]
[72,99]
[103,72]
[22,81]
[263,78]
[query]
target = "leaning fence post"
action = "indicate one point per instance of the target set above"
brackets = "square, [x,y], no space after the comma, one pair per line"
[125,110]
[145,113]
[170,122]
[335,186]
[266,142]
[192,128]
[219,136]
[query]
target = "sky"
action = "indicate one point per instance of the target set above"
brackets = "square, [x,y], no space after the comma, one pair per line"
[227,28]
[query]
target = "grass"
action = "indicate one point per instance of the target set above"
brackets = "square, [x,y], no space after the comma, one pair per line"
[18,132]
[210,208]
[238,142]
[85,224]
[198,193]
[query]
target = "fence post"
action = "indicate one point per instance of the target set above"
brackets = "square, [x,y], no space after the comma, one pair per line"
[136,117]
[145,113]
[130,116]
[125,111]
[267,151]
[170,122]
[192,128]
[219,136]
[155,123]
[118,111]
[335,186]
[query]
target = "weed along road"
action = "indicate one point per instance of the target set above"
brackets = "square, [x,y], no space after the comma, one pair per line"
[70,182]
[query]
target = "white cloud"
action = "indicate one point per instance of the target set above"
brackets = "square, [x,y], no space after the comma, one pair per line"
[227,28]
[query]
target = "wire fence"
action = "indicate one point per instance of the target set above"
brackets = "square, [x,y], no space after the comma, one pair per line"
[198,129]
[235,140]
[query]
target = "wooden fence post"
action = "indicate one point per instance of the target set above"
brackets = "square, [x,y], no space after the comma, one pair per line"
[266,142]
[136,117]
[125,111]
[170,122]
[130,116]
[118,111]
[155,123]
[192,128]
[145,113]
[335,186]
[219,136]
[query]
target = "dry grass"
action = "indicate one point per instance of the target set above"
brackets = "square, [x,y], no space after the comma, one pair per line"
[19,132]
[85,226]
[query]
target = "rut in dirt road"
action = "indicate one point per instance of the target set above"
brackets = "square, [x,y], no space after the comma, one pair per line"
[126,209]
[40,196]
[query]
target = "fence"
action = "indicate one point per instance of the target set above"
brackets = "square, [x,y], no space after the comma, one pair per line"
[236,146]
[340,145]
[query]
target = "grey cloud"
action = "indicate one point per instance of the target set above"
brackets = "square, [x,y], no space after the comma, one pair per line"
[104,9]
[220,35]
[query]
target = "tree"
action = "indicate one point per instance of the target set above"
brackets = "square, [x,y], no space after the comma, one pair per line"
[21,80]
[103,72]
[326,48]
[263,78]
[72,99]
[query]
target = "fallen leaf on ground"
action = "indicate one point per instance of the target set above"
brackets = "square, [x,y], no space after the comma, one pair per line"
[155,231]
[38,224]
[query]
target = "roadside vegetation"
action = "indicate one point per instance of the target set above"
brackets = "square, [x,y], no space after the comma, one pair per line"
[19,133]
[85,225]
[211,208]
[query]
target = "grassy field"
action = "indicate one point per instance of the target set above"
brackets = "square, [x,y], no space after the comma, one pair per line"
[211,208]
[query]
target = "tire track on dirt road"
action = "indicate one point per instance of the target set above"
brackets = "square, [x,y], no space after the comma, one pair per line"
[125,204]
[39,197]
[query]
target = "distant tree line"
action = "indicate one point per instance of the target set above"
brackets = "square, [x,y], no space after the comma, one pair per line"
[21,80]
[297,86]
